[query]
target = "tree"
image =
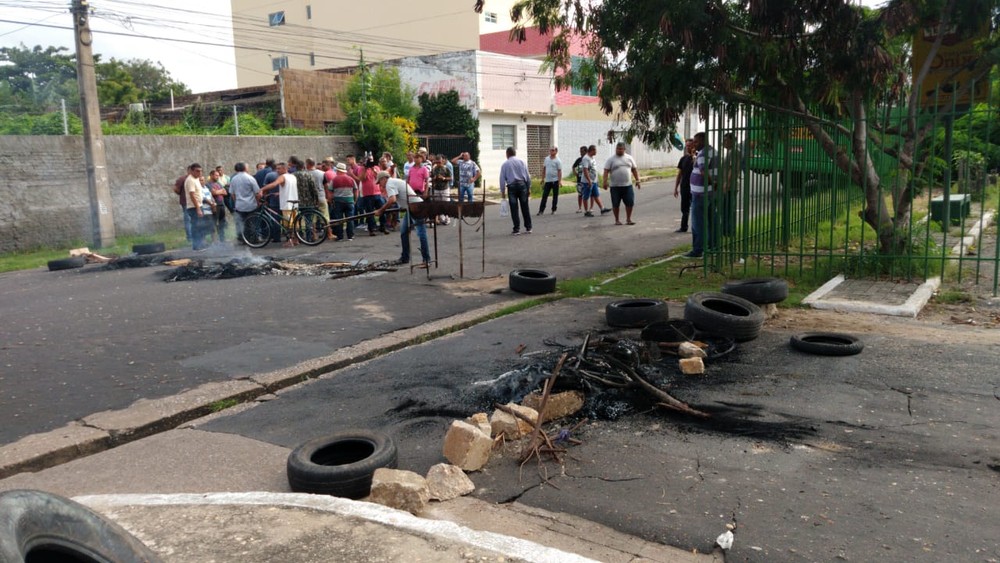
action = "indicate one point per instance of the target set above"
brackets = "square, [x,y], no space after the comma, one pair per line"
[372,100]
[444,114]
[832,60]
[135,80]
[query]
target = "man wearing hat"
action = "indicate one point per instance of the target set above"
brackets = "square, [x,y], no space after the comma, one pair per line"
[342,187]
[397,191]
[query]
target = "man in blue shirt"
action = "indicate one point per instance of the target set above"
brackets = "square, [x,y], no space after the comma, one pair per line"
[515,183]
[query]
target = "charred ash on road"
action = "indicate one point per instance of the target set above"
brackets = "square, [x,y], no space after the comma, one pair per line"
[243,267]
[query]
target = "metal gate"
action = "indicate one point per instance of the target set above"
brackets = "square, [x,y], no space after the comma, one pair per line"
[539,143]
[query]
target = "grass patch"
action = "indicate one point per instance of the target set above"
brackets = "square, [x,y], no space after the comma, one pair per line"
[223,405]
[29,259]
[952,297]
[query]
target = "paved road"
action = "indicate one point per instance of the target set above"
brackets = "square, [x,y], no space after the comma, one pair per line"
[889,455]
[82,341]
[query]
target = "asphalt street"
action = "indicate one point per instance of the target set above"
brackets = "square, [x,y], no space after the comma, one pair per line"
[888,455]
[78,342]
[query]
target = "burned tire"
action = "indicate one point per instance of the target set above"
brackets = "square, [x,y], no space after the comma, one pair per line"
[758,290]
[39,526]
[151,248]
[532,282]
[827,343]
[341,465]
[724,315]
[635,313]
[67,263]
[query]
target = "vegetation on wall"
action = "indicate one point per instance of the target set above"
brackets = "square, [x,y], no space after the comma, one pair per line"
[444,114]
[372,102]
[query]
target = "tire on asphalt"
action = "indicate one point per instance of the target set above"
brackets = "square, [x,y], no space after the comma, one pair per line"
[635,313]
[758,290]
[151,248]
[341,464]
[67,263]
[532,282]
[827,343]
[724,315]
[40,526]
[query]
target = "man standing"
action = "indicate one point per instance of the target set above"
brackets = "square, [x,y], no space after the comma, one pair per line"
[319,179]
[702,178]
[516,183]
[419,175]
[182,200]
[219,194]
[591,193]
[682,186]
[468,175]
[288,197]
[371,197]
[244,190]
[441,182]
[579,179]
[621,169]
[553,180]
[343,203]
[730,182]
[408,164]
[399,192]
[193,197]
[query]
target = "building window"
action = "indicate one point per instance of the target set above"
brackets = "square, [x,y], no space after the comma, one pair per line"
[583,66]
[309,12]
[491,17]
[503,137]
[278,63]
[312,59]
[277,18]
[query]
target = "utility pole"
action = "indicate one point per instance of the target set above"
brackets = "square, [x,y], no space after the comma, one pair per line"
[101,213]
[364,95]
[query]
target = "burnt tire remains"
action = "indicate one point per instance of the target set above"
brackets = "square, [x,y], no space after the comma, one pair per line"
[151,248]
[532,282]
[40,526]
[724,315]
[635,313]
[827,343]
[67,263]
[341,464]
[758,290]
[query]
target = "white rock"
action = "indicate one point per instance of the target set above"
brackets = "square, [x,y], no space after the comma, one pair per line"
[481,421]
[511,426]
[446,482]
[466,446]
[404,490]
[690,350]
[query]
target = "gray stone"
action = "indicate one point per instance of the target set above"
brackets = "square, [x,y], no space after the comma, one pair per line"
[403,490]
[446,482]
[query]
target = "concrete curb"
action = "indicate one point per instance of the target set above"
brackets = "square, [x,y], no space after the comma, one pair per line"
[510,547]
[910,308]
[970,237]
[108,429]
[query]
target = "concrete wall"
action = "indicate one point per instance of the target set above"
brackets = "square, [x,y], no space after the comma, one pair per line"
[438,74]
[44,180]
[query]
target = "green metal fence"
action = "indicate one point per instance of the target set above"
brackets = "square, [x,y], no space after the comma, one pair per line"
[782,206]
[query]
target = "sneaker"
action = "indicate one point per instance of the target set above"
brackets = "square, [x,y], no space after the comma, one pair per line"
[515,233]
[605,210]
[540,213]
[588,214]
[527,231]
[401,261]
[553,212]
[350,238]
[692,255]
[579,211]
[681,231]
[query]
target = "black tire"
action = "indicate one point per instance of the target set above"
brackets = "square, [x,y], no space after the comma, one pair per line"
[341,465]
[724,315]
[532,282]
[758,290]
[827,343]
[310,227]
[39,526]
[67,263]
[151,248]
[635,313]
[256,231]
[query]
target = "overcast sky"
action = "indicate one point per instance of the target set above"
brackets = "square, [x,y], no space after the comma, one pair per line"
[203,68]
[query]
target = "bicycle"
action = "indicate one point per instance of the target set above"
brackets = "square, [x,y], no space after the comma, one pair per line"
[307,225]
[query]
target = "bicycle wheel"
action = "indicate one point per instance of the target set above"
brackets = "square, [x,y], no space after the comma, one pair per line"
[310,227]
[256,231]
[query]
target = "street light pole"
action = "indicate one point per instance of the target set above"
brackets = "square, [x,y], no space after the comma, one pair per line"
[101,213]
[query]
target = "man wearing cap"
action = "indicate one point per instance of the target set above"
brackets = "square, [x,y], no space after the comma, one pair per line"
[342,187]
[399,192]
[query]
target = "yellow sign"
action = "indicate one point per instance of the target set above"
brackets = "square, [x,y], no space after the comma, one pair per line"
[953,67]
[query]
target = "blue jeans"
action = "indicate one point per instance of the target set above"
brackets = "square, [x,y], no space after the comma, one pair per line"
[371,203]
[187,223]
[340,209]
[517,196]
[465,191]
[701,209]
[197,228]
[404,238]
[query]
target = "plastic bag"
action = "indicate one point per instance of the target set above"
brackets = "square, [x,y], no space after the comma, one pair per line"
[504,208]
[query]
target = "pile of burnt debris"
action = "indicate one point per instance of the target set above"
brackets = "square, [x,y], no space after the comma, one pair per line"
[189,270]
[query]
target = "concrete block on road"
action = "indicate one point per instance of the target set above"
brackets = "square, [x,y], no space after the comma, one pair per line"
[39,451]
[481,421]
[466,446]
[400,489]
[447,482]
[692,366]
[559,405]
[511,426]
[148,416]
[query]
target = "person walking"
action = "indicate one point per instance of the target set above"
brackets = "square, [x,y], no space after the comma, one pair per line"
[702,178]
[579,179]
[682,185]
[591,193]
[399,193]
[553,180]
[515,183]
[621,169]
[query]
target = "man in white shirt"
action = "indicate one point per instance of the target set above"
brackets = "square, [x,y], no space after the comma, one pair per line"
[621,169]
[553,180]
[399,192]
[288,197]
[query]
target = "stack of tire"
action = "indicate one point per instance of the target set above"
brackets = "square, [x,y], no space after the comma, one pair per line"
[735,311]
